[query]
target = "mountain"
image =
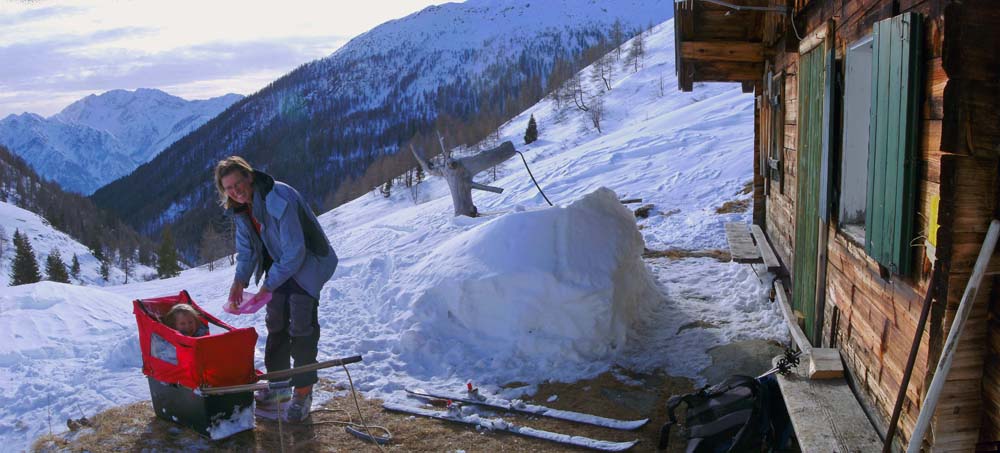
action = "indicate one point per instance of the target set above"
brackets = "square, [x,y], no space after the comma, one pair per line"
[31,200]
[103,137]
[459,69]
[436,301]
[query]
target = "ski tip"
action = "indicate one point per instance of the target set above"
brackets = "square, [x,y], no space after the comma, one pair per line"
[635,424]
[381,440]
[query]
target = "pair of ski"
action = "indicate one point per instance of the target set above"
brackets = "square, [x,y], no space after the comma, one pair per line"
[455,414]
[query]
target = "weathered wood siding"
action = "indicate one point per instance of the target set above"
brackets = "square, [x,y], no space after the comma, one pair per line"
[872,316]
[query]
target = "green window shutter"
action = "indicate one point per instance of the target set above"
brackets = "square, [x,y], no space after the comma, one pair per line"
[892,144]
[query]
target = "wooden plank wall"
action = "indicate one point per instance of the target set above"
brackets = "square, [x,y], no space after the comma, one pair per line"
[969,135]
[872,319]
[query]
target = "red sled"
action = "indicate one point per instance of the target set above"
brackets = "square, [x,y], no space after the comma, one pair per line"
[178,366]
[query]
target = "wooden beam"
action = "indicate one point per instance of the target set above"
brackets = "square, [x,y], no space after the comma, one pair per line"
[815,38]
[766,252]
[751,52]
[798,336]
[725,71]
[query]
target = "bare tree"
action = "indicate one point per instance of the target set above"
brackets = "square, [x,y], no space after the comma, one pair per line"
[636,52]
[578,92]
[211,247]
[617,35]
[458,173]
[596,112]
[603,70]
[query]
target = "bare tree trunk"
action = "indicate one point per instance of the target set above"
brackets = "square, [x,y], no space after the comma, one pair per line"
[459,173]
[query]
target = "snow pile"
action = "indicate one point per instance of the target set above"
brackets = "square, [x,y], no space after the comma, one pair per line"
[58,344]
[548,285]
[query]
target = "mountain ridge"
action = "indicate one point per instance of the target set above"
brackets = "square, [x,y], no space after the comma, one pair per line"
[325,123]
[102,137]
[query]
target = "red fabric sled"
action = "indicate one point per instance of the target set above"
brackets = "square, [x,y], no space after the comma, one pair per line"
[213,360]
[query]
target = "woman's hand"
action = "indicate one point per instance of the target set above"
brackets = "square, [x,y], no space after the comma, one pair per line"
[236,295]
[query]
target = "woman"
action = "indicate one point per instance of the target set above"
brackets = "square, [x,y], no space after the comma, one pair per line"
[277,234]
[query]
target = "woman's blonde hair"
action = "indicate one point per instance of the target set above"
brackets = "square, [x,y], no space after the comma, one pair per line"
[224,168]
[170,318]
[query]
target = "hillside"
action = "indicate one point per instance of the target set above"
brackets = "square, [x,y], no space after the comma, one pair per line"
[462,68]
[527,294]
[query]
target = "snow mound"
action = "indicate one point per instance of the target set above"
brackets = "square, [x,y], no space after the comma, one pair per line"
[537,284]
[49,321]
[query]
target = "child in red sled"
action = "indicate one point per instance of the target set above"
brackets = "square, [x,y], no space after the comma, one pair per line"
[186,320]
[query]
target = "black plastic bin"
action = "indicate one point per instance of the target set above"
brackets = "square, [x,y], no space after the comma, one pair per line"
[213,416]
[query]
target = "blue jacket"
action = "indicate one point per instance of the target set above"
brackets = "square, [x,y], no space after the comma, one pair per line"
[291,243]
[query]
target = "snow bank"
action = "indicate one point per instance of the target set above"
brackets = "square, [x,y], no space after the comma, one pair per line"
[65,351]
[555,284]
[51,320]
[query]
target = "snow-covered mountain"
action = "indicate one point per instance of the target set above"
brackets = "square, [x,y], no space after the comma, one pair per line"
[103,137]
[44,239]
[525,293]
[325,123]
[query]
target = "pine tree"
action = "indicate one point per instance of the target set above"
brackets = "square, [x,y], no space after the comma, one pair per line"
[531,134]
[74,269]
[166,263]
[55,269]
[24,269]
[105,269]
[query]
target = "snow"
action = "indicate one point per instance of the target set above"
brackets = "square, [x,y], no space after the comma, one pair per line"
[529,293]
[241,420]
[44,239]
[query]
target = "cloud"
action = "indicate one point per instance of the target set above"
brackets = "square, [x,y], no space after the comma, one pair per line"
[37,14]
[61,65]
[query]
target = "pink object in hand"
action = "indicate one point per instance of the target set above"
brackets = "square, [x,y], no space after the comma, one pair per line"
[251,304]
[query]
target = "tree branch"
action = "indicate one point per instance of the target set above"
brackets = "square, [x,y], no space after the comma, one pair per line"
[424,164]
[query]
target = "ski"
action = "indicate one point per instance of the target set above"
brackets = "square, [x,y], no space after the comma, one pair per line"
[454,414]
[531,409]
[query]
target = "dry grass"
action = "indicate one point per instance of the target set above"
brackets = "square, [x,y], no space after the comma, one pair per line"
[135,428]
[733,206]
[747,188]
[676,254]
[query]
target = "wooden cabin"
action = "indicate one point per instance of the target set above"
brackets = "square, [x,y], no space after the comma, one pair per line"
[875,161]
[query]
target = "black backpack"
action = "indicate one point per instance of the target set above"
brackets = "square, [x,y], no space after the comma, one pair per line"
[740,414]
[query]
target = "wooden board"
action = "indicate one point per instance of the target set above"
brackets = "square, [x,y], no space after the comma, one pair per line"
[764,247]
[723,51]
[825,414]
[824,363]
[809,154]
[798,336]
[741,246]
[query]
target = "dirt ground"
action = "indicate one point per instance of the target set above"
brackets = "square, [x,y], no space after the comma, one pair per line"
[135,428]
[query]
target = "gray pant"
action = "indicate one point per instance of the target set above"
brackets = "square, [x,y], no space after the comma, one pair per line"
[292,332]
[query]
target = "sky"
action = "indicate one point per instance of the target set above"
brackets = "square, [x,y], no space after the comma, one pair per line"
[53,53]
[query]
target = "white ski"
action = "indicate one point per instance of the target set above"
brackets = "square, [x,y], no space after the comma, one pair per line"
[530,409]
[454,414]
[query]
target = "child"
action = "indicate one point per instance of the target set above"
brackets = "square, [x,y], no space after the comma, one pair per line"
[185,319]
